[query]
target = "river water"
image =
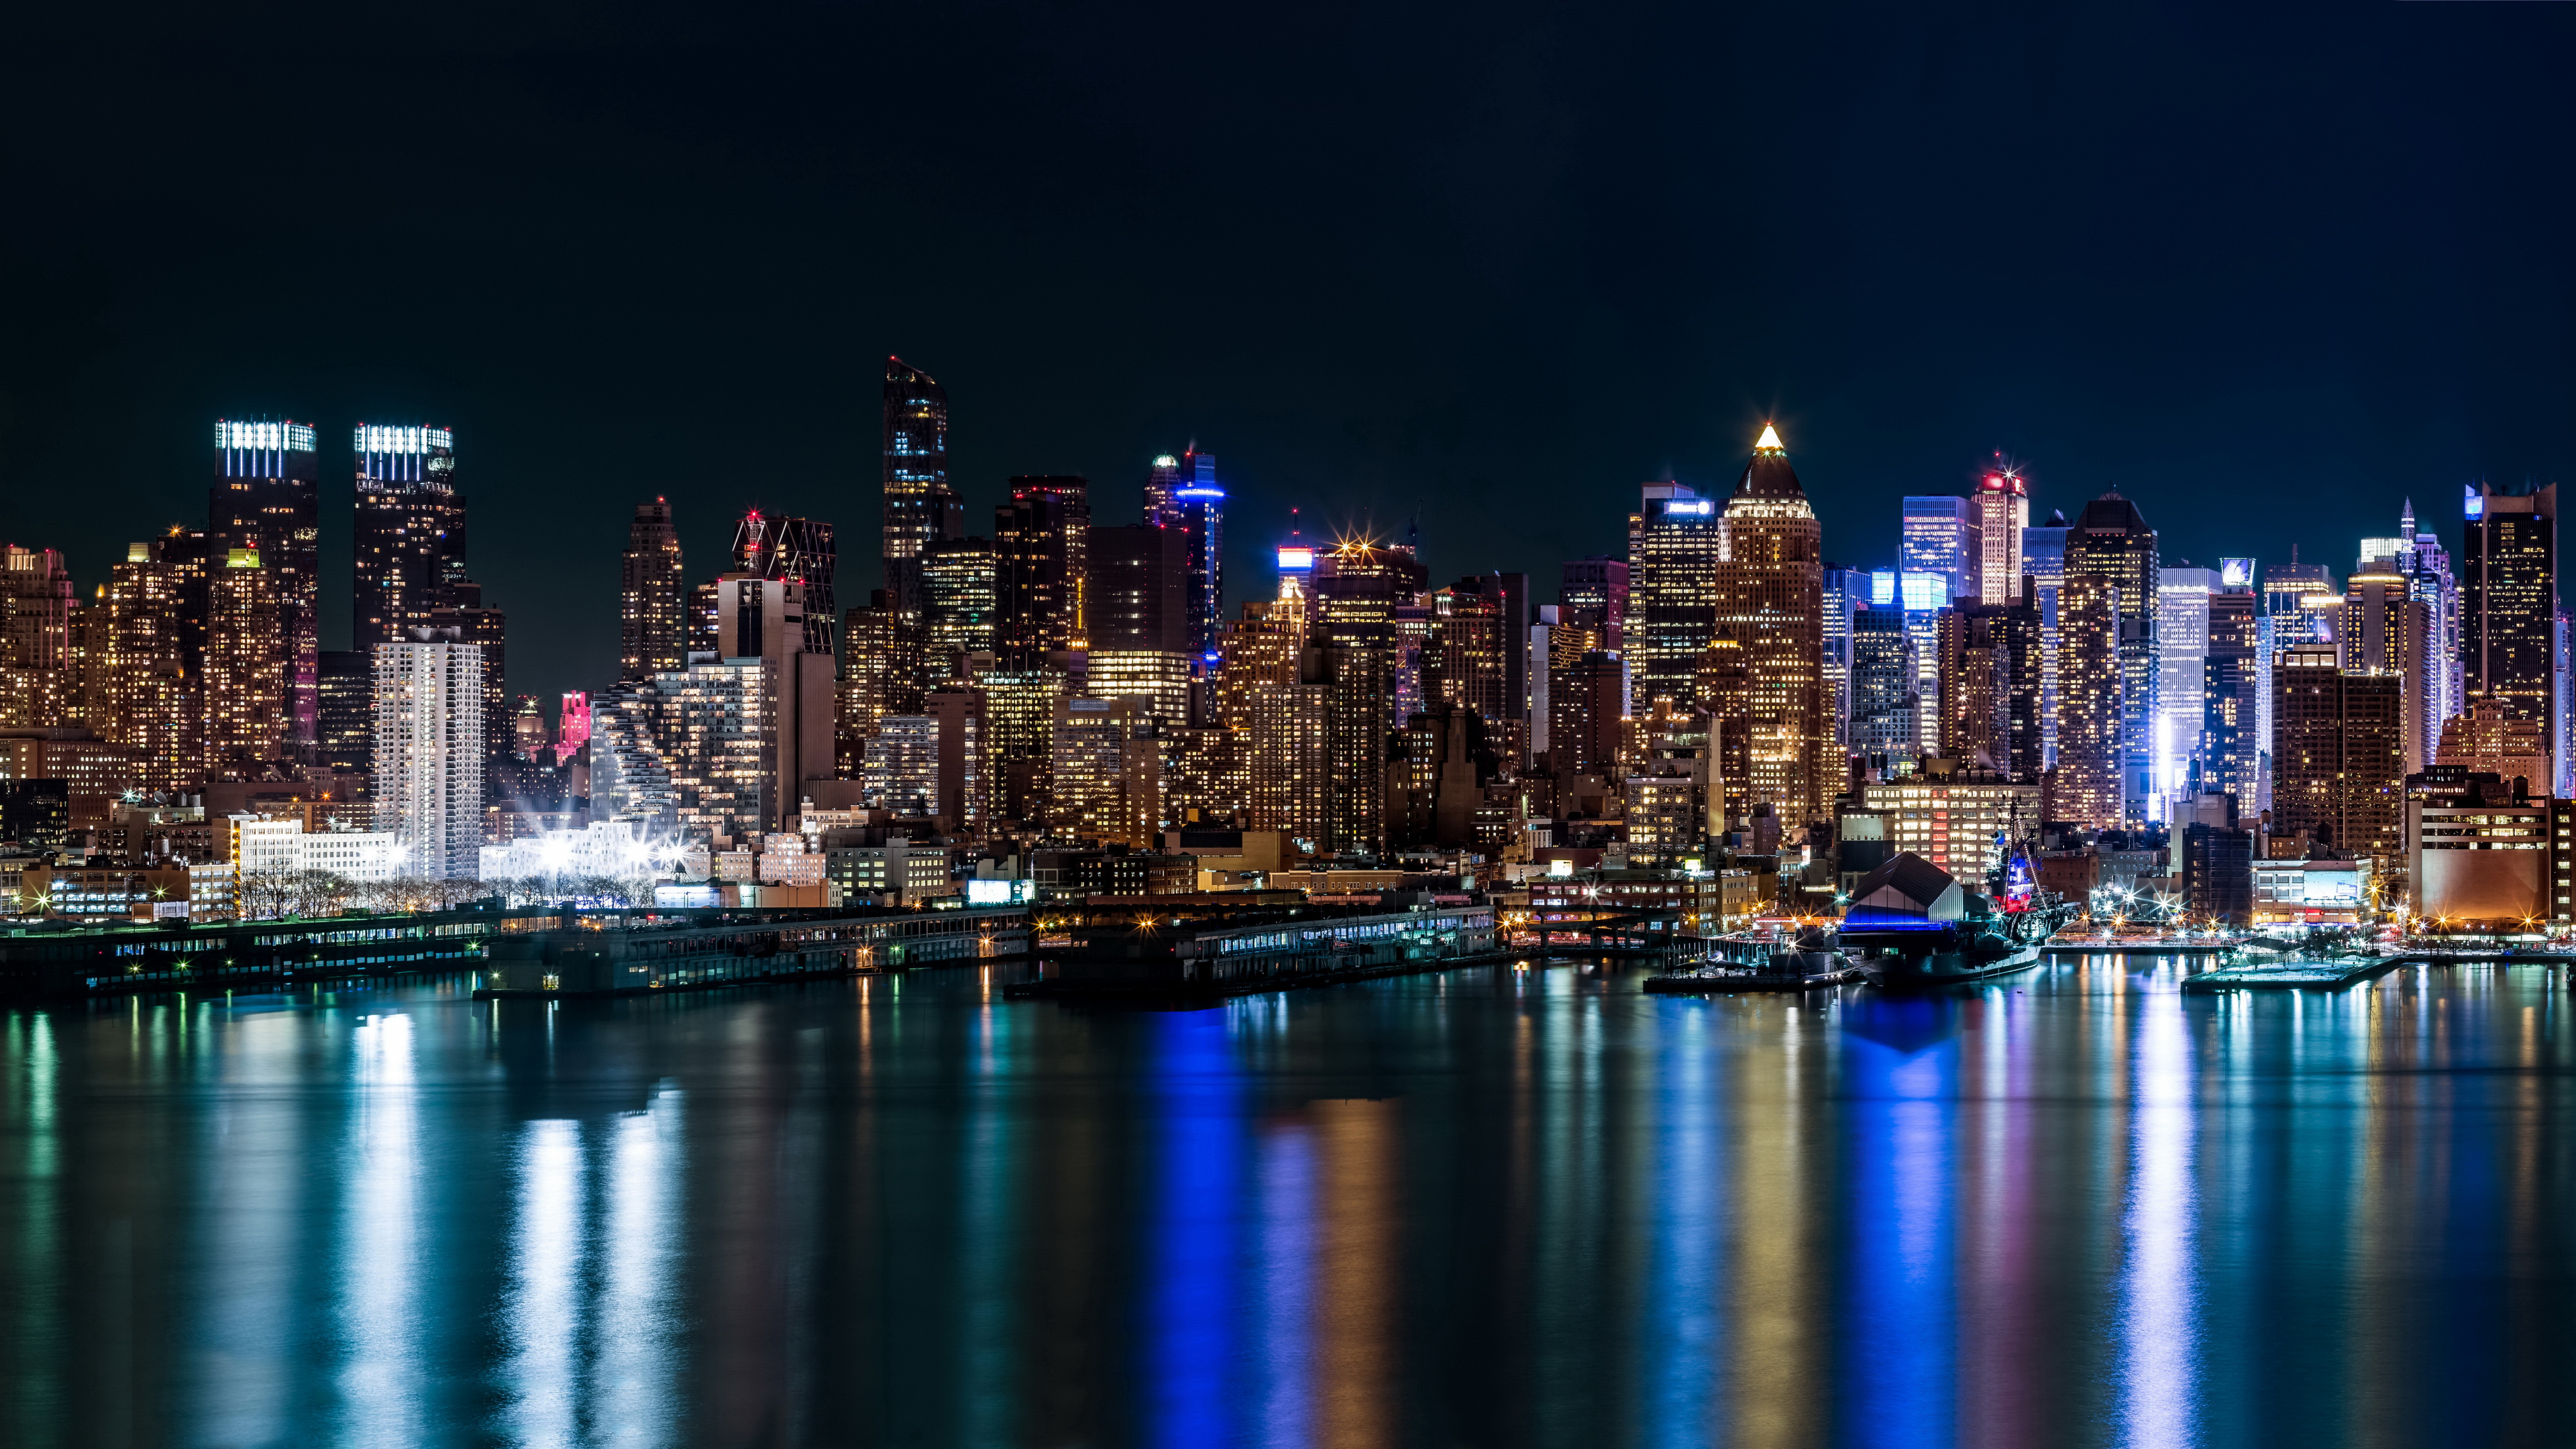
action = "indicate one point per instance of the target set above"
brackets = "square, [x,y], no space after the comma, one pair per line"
[1492,1207]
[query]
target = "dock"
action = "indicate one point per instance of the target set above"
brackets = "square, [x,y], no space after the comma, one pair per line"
[1717,981]
[2296,976]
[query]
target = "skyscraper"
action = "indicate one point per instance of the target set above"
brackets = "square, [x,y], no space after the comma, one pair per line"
[2111,542]
[1042,543]
[408,536]
[267,499]
[763,620]
[246,724]
[1883,688]
[2430,580]
[345,737]
[1770,617]
[2043,558]
[1998,511]
[36,606]
[2183,593]
[2509,600]
[961,600]
[2338,757]
[1675,541]
[1183,493]
[430,751]
[800,551]
[1350,653]
[152,697]
[1935,540]
[2383,629]
[1139,619]
[1592,595]
[2229,745]
[653,637]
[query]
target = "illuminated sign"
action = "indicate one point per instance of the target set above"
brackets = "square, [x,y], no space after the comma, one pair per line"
[273,437]
[1701,506]
[2236,573]
[997,892]
[1198,493]
[2474,507]
[402,440]
[1560,868]
[1297,560]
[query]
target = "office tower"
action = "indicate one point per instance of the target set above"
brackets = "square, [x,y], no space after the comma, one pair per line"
[1884,676]
[2509,603]
[900,767]
[2111,541]
[1770,618]
[1020,707]
[798,550]
[430,751]
[2043,561]
[2383,628]
[1138,615]
[2338,754]
[698,622]
[1350,653]
[36,679]
[1935,541]
[1183,493]
[1592,595]
[1466,657]
[267,499]
[920,508]
[870,650]
[763,619]
[345,713]
[408,533]
[715,728]
[2182,645]
[962,801]
[2431,581]
[1541,645]
[1588,705]
[1042,544]
[2089,699]
[150,696]
[1924,597]
[652,614]
[1675,539]
[246,725]
[1845,590]
[572,725]
[1998,511]
[470,622]
[1990,688]
[961,593]
[1512,601]
[2491,740]
[1296,563]
[1258,652]
[2229,745]
[1107,782]
[529,736]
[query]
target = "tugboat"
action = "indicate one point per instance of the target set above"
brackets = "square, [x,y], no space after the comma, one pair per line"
[1917,929]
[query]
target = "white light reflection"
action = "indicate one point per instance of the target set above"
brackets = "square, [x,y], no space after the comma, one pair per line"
[380,1243]
[2158,1317]
[540,1317]
[638,1318]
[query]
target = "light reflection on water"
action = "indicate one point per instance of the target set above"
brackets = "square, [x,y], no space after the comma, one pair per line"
[1507,1207]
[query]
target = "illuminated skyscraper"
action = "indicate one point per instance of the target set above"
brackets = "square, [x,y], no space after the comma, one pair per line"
[1675,540]
[1183,493]
[2112,543]
[763,620]
[919,505]
[1592,595]
[408,536]
[870,642]
[2509,599]
[37,683]
[1884,686]
[151,697]
[1770,617]
[2183,593]
[2339,757]
[430,752]
[2043,558]
[267,499]
[799,551]
[1998,512]
[2430,580]
[1042,543]
[2383,629]
[961,591]
[1464,659]
[653,598]
[1108,773]
[1351,651]
[345,738]
[2229,747]
[1935,541]
[246,726]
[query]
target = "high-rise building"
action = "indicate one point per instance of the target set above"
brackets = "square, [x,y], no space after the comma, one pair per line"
[2111,541]
[2300,601]
[763,619]
[1770,618]
[246,724]
[1042,543]
[1884,677]
[2431,581]
[2043,560]
[1592,594]
[862,694]
[900,768]
[1351,654]
[37,601]
[267,499]
[2230,748]
[2089,699]
[408,534]
[1675,539]
[470,621]
[152,699]
[1998,512]
[345,733]
[920,507]
[2338,754]
[961,593]
[715,731]
[430,751]
[1183,493]
[1845,591]
[1465,658]
[2383,628]
[1138,614]
[2183,593]
[1108,773]
[1990,688]
[2509,601]
[1935,541]
[653,630]
[800,551]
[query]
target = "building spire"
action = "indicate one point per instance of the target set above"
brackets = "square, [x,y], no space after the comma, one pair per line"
[1769,442]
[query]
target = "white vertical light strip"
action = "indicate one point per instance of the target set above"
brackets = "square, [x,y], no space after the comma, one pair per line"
[540,1315]
[638,1329]
[377,1384]
[2159,1321]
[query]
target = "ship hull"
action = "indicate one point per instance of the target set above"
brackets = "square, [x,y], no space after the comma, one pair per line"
[1935,969]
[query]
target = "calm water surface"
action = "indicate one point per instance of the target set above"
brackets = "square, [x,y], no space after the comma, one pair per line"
[1486,1208]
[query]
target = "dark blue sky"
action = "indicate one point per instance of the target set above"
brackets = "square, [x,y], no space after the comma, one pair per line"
[2266,269]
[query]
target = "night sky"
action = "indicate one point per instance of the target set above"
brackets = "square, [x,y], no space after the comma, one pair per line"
[2266,269]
